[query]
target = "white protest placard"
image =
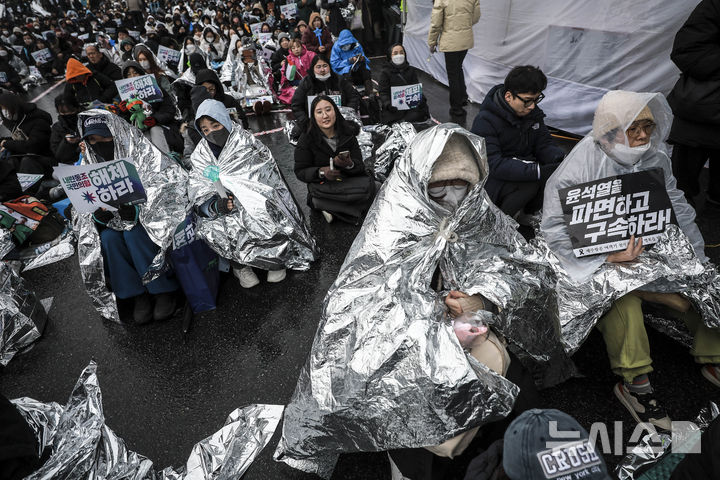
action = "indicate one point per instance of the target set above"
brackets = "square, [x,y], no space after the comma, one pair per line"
[406,97]
[34,71]
[17,48]
[168,55]
[46,34]
[144,87]
[3,77]
[42,56]
[264,38]
[105,185]
[335,98]
[134,33]
[255,28]
[27,180]
[84,36]
[110,30]
[289,10]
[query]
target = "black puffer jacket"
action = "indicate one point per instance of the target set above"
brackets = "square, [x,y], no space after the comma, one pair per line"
[163,111]
[309,86]
[313,152]
[98,87]
[30,132]
[207,75]
[64,151]
[105,67]
[696,52]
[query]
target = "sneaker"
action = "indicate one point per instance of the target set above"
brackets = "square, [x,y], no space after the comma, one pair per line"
[711,373]
[143,309]
[246,276]
[275,276]
[328,216]
[164,306]
[643,407]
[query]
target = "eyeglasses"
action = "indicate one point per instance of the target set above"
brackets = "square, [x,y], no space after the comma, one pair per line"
[529,101]
[634,130]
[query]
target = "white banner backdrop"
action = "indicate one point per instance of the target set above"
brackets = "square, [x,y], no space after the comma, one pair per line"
[585,47]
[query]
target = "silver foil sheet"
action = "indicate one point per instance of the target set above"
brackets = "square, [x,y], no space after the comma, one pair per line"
[165,184]
[397,140]
[652,448]
[266,229]
[83,447]
[22,317]
[386,370]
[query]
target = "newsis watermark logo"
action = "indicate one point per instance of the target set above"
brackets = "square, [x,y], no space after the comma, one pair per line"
[567,452]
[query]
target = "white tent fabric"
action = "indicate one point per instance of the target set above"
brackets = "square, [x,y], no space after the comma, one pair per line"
[585,47]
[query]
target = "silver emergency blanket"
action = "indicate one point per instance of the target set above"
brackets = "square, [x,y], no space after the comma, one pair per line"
[266,229]
[84,447]
[587,287]
[386,370]
[22,316]
[246,80]
[397,140]
[165,184]
[652,448]
[6,242]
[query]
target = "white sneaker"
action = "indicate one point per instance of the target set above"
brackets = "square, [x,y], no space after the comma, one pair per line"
[247,277]
[275,276]
[328,216]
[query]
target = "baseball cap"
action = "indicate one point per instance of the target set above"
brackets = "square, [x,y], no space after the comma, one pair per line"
[530,452]
[96,126]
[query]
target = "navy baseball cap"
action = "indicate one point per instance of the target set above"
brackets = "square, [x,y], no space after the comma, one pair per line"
[96,126]
[550,444]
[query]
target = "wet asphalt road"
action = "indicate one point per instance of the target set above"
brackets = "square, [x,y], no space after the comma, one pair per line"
[164,390]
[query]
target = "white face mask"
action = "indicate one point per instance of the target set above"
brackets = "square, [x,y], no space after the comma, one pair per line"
[398,59]
[145,64]
[449,196]
[6,114]
[322,78]
[628,156]
[190,49]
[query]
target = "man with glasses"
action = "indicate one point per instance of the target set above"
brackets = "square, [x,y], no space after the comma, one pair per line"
[99,63]
[521,153]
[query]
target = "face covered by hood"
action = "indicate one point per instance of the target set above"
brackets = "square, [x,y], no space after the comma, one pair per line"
[343,50]
[386,370]
[266,230]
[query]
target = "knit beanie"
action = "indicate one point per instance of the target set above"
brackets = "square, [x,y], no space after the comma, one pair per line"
[456,162]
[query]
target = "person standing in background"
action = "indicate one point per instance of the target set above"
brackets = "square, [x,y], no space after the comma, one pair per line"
[451,33]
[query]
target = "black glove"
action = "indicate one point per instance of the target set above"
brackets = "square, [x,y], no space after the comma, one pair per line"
[127,212]
[547,170]
[221,205]
[102,216]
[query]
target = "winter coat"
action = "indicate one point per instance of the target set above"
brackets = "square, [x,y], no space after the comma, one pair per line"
[105,67]
[276,61]
[64,151]
[311,86]
[164,111]
[304,11]
[337,22]
[12,75]
[31,132]
[229,101]
[311,40]
[312,153]
[452,22]
[302,66]
[512,142]
[96,87]
[696,52]
[9,185]
[340,59]
[396,76]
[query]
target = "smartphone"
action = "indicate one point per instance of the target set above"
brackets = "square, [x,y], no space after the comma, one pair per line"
[344,155]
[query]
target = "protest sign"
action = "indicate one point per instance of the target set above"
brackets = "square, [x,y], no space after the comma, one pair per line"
[335,98]
[42,56]
[27,180]
[34,71]
[17,48]
[84,36]
[168,55]
[134,33]
[3,77]
[255,28]
[144,87]
[110,30]
[101,185]
[289,10]
[602,215]
[264,38]
[406,97]
[47,34]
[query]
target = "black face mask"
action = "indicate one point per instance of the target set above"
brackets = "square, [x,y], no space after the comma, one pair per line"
[218,137]
[105,150]
[71,120]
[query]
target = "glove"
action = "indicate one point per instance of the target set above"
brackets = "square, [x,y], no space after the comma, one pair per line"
[102,216]
[127,213]
[547,170]
[222,207]
[150,122]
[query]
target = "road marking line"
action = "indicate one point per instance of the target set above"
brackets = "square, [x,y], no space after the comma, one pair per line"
[47,91]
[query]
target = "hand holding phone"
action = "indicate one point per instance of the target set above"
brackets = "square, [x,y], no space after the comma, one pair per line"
[343,160]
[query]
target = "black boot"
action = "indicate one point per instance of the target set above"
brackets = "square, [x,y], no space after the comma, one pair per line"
[143,311]
[164,306]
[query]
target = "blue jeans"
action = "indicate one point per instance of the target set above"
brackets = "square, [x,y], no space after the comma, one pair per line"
[127,256]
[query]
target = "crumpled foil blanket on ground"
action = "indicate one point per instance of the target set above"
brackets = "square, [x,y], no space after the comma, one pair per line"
[653,447]
[85,448]
[22,317]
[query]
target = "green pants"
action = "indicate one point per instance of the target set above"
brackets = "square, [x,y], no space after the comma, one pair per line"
[627,343]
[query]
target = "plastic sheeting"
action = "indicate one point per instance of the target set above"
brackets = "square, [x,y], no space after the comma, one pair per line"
[386,370]
[83,447]
[266,229]
[165,184]
[584,47]
[22,317]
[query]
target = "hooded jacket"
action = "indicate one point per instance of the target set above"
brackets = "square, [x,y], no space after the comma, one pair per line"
[105,67]
[64,151]
[395,76]
[163,111]
[451,24]
[512,142]
[266,229]
[229,101]
[335,85]
[30,131]
[93,88]
[312,41]
[340,59]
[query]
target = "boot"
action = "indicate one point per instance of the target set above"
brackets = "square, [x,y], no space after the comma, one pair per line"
[143,311]
[164,306]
